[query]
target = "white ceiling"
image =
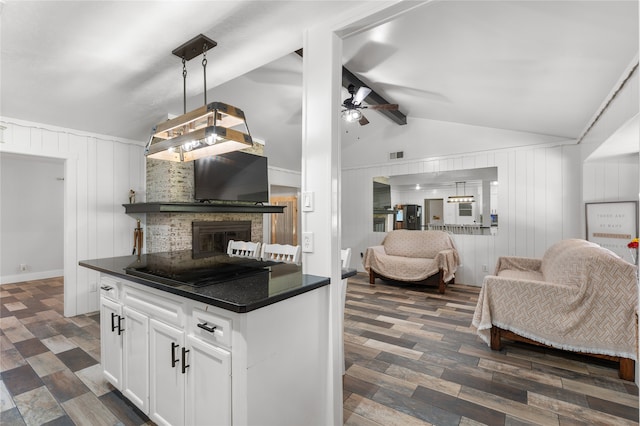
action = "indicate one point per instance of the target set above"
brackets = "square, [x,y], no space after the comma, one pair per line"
[543,67]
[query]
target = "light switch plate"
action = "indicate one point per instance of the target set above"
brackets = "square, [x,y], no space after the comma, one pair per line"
[307,201]
[307,242]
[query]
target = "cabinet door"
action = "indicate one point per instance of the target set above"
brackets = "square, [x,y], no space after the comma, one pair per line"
[167,358]
[111,341]
[208,399]
[135,380]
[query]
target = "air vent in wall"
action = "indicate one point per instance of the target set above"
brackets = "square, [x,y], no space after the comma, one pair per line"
[396,155]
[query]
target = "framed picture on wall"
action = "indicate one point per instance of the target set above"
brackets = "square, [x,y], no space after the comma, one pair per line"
[613,225]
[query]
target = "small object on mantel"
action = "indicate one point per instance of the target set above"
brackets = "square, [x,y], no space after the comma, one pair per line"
[137,239]
[132,196]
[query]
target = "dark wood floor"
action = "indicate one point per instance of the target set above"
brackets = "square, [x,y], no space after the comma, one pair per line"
[411,355]
[49,364]
[413,358]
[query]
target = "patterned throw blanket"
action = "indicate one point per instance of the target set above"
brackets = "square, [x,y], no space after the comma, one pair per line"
[413,255]
[578,297]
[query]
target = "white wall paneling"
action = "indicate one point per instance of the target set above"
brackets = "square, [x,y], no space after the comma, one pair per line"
[98,172]
[611,179]
[537,201]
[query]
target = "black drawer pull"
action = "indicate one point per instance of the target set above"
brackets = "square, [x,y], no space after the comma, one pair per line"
[184,360]
[113,321]
[205,326]
[106,287]
[120,329]
[174,361]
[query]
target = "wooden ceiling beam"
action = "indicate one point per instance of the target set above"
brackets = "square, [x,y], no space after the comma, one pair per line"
[374,97]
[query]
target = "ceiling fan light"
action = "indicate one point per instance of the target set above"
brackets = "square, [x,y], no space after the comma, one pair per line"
[351,115]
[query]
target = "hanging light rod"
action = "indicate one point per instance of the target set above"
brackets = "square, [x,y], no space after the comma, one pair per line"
[194,47]
[209,130]
[461,198]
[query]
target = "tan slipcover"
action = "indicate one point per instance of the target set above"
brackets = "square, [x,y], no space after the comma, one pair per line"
[413,255]
[578,297]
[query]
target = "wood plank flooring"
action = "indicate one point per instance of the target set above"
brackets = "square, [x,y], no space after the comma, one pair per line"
[411,358]
[49,364]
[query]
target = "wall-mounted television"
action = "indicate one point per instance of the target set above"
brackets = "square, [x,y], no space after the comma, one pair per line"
[234,176]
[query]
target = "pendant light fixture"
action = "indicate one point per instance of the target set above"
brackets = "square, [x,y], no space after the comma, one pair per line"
[213,129]
[461,198]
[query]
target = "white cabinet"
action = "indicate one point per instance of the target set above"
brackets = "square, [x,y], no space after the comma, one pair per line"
[184,362]
[111,340]
[168,363]
[174,378]
[208,399]
[190,377]
[135,380]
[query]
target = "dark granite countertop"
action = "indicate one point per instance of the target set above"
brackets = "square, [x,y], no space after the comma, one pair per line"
[232,283]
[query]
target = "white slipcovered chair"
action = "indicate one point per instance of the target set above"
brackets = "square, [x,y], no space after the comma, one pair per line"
[244,249]
[579,297]
[285,253]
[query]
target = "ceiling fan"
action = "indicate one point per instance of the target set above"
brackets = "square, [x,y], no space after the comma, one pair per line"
[353,105]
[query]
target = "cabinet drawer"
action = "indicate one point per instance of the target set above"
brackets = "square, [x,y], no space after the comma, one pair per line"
[110,287]
[171,311]
[202,323]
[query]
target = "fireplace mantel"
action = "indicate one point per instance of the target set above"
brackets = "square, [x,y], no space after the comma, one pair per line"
[163,207]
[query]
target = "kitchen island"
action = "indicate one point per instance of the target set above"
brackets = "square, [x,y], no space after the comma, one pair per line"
[218,340]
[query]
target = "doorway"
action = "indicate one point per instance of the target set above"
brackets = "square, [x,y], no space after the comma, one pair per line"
[32,242]
[433,212]
[284,229]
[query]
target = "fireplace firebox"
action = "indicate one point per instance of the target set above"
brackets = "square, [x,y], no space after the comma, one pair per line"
[211,237]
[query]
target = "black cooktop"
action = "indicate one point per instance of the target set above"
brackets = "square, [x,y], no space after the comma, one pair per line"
[180,268]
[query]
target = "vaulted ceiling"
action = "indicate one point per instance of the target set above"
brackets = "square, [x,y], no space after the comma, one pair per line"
[106,67]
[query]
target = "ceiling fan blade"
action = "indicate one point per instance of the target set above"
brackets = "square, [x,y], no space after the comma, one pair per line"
[363,120]
[362,93]
[388,107]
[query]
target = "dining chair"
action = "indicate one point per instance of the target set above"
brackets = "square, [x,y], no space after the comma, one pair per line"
[244,249]
[345,257]
[285,253]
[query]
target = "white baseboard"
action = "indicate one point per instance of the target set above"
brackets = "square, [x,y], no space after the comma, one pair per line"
[30,276]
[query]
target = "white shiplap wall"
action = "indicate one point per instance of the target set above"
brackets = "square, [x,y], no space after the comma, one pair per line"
[539,199]
[99,172]
[611,179]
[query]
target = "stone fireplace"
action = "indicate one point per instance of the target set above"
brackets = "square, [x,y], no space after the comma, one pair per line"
[172,182]
[209,237]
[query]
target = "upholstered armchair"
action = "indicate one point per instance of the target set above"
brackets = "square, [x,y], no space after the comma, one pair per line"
[413,256]
[578,297]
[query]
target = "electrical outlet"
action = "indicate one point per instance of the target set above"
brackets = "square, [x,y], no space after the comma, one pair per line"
[307,242]
[23,267]
[93,287]
[485,268]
